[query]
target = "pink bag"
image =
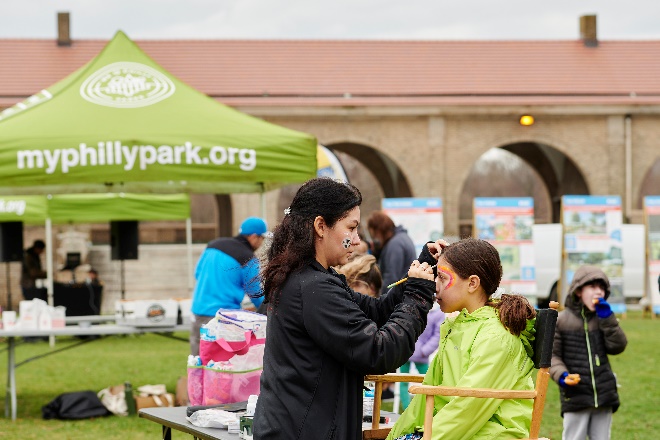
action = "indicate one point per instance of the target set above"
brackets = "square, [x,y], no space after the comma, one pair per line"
[221,350]
[234,374]
[229,386]
[196,385]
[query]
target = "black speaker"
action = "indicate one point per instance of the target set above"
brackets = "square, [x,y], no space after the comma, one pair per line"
[11,241]
[124,239]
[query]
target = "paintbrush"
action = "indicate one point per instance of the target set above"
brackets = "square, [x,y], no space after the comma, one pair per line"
[403,280]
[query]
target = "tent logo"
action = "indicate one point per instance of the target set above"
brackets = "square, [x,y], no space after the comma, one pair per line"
[126,85]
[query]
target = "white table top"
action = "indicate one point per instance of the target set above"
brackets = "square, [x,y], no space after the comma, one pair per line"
[90,319]
[74,330]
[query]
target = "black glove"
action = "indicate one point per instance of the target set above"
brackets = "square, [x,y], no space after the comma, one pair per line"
[426,257]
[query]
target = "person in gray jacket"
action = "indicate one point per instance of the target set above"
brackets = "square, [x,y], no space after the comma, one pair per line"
[393,248]
[587,332]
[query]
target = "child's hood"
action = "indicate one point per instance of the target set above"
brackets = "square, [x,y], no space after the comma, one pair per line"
[583,276]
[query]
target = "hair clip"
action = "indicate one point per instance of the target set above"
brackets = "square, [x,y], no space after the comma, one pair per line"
[287,211]
[498,293]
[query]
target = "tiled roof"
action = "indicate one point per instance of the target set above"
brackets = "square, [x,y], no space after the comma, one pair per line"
[279,72]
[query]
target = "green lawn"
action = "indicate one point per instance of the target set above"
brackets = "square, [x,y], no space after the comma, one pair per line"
[152,359]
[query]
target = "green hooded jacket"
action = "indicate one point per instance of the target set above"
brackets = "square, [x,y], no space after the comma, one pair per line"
[476,351]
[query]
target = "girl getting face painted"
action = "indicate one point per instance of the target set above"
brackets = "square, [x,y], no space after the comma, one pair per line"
[449,287]
[448,276]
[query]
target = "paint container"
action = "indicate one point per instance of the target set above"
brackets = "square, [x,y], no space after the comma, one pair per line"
[246,427]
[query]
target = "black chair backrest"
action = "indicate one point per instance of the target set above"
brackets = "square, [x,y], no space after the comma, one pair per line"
[546,321]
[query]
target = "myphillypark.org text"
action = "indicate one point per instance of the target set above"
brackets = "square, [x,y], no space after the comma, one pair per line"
[114,153]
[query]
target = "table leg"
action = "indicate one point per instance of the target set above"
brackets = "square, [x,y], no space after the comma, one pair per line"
[7,388]
[11,368]
[10,395]
[167,433]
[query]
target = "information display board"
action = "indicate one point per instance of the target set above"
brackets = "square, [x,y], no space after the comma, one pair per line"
[506,222]
[592,236]
[652,218]
[422,217]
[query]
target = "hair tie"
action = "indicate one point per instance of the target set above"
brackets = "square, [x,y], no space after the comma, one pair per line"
[498,293]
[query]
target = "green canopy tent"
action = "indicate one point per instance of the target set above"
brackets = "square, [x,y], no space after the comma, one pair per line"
[25,209]
[96,208]
[123,123]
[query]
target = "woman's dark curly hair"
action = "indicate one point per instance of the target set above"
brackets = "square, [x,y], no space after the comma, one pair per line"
[293,239]
[472,256]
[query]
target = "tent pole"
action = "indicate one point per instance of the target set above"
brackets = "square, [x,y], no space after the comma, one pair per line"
[49,270]
[190,256]
[262,197]
[9,300]
[122,281]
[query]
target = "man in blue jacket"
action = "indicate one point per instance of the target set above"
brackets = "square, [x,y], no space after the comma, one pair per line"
[226,271]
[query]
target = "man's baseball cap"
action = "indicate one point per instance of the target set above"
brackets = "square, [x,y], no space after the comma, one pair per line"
[253,225]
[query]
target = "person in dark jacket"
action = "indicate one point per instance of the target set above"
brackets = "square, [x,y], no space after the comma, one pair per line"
[31,269]
[322,337]
[579,358]
[392,246]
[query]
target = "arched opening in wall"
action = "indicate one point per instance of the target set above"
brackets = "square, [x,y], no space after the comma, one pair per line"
[372,172]
[524,169]
[650,184]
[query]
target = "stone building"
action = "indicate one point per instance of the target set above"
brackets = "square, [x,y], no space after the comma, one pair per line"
[412,118]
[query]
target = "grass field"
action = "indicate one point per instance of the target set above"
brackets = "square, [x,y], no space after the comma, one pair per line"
[152,359]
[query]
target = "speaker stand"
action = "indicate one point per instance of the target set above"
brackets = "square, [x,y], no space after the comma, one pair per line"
[123,285]
[9,306]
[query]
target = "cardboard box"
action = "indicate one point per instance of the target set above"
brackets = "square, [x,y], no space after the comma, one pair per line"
[147,313]
[162,400]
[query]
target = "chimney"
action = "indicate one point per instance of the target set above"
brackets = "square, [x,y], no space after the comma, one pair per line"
[588,33]
[63,29]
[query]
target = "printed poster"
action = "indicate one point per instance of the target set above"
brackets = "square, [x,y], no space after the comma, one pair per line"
[506,222]
[592,236]
[652,214]
[422,217]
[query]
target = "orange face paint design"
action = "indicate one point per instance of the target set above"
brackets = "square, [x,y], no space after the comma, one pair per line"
[449,273]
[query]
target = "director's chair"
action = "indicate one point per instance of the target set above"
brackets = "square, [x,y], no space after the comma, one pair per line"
[546,321]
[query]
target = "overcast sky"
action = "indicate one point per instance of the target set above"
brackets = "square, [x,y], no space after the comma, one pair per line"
[332,19]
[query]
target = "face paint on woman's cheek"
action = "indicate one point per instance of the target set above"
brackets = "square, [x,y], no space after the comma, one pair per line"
[449,273]
[346,242]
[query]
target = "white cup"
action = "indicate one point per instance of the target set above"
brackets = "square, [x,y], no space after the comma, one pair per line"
[8,319]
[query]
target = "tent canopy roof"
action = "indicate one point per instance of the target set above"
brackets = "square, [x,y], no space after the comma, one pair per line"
[122,123]
[94,208]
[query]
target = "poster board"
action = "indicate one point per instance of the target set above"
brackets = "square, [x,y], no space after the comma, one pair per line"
[507,223]
[592,236]
[422,217]
[652,220]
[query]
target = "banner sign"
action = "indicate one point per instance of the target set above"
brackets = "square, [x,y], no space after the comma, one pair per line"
[422,217]
[652,214]
[592,236]
[26,209]
[506,222]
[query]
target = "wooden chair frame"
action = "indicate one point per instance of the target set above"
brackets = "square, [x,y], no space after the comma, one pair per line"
[546,320]
[376,432]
